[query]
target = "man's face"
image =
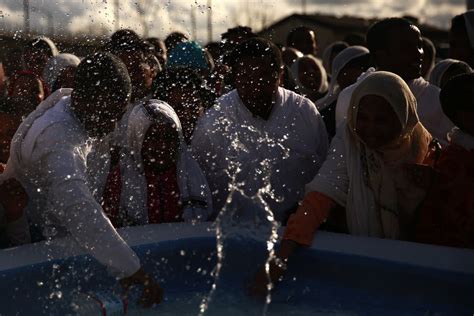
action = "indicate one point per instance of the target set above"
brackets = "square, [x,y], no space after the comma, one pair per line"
[103,115]
[404,53]
[256,79]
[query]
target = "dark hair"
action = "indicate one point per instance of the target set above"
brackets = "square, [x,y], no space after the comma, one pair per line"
[243,32]
[256,47]
[457,94]
[176,77]
[458,23]
[378,35]
[291,37]
[124,37]
[174,39]
[101,73]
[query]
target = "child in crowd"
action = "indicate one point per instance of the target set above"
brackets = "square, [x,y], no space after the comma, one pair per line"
[157,180]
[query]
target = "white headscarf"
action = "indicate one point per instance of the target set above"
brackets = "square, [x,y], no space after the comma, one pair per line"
[369,183]
[469,19]
[339,62]
[194,190]
[327,55]
[440,68]
[56,65]
[295,70]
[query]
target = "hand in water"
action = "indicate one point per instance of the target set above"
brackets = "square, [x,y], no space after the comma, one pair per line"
[259,287]
[277,269]
[152,292]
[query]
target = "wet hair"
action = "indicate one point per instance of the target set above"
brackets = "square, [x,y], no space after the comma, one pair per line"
[378,35]
[101,73]
[256,47]
[291,37]
[174,39]
[458,94]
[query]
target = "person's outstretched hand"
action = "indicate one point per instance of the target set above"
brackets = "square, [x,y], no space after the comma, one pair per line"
[152,292]
[259,287]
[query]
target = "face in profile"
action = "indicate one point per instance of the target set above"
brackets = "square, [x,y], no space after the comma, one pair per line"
[377,123]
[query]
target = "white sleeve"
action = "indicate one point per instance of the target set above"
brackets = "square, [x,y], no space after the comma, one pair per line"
[342,105]
[73,205]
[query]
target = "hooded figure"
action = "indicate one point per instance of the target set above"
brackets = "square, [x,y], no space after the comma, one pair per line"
[338,64]
[310,77]
[371,182]
[330,53]
[148,197]
[437,76]
[56,66]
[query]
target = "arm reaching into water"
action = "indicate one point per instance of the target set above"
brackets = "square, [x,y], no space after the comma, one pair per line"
[300,231]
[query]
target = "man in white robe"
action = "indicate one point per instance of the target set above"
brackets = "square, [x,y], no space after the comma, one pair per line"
[49,158]
[396,46]
[258,135]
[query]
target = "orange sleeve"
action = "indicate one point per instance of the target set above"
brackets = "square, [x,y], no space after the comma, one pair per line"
[312,212]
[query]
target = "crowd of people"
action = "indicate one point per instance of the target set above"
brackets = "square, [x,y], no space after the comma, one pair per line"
[373,140]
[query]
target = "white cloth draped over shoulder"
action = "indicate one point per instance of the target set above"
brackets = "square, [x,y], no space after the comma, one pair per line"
[338,64]
[240,152]
[48,156]
[369,183]
[428,106]
[194,190]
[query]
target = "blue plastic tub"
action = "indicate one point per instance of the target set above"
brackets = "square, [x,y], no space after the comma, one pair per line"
[340,275]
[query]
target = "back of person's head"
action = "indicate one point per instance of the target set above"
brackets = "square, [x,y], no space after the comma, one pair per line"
[101,76]
[457,99]
[123,37]
[174,39]
[378,35]
[256,48]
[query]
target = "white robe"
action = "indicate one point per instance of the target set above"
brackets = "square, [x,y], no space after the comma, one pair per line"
[428,106]
[48,157]
[231,144]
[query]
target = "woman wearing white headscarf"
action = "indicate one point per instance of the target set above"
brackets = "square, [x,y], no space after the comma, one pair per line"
[368,170]
[447,69]
[340,72]
[330,53]
[56,66]
[157,180]
[310,77]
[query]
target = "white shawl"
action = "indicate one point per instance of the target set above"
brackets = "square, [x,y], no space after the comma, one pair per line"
[436,76]
[357,177]
[295,71]
[194,190]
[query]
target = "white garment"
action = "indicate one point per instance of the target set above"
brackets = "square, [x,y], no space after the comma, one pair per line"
[428,106]
[436,76]
[369,183]
[232,146]
[48,157]
[194,191]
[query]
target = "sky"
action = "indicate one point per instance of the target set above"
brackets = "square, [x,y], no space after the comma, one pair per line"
[97,17]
